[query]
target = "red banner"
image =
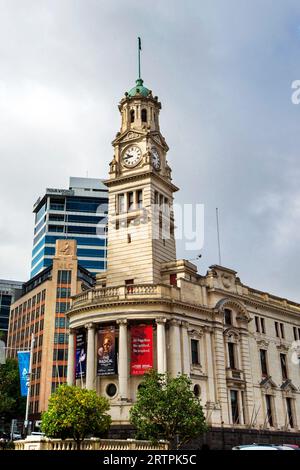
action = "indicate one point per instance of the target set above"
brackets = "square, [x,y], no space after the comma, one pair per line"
[141,349]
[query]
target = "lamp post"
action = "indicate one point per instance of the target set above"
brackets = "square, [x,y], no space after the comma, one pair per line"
[28,385]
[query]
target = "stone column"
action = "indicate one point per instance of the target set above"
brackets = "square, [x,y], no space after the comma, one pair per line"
[246,367]
[90,361]
[161,346]
[219,358]
[71,357]
[211,393]
[123,359]
[186,362]
[175,348]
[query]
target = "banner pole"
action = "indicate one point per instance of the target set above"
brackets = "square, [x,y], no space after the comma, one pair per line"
[28,385]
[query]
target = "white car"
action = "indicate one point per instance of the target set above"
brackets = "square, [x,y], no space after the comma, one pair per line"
[262,447]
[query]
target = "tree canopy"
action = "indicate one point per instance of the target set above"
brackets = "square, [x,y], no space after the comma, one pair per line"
[166,408]
[75,413]
[12,404]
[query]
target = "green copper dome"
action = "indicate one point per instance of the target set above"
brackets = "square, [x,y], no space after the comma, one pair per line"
[139,89]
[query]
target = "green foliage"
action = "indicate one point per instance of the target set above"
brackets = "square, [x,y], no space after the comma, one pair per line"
[75,413]
[12,404]
[166,408]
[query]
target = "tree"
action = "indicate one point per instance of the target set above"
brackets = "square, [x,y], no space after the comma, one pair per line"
[12,404]
[166,408]
[75,413]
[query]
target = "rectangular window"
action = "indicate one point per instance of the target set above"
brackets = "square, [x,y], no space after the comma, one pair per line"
[173,279]
[63,292]
[130,201]
[62,307]
[227,317]
[282,330]
[234,407]
[269,410]
[59,371]
[277,329]
[295,333]
[60,338]
[64,277]
[262,323]
[289,412]
[60,354]
[283,366]
[257,325]
[121,203]
[263,362]
[231,355]
[140,199]
[60,322]
[195,351]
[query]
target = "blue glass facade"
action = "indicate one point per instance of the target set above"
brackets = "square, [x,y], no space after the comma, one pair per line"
[79,213]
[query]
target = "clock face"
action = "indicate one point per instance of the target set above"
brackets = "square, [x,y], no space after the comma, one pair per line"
[132,156]
[155,158]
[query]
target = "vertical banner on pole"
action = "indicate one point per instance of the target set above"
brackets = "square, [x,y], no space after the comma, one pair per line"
[80,368]
[23,359]
[106,357]
[141,349]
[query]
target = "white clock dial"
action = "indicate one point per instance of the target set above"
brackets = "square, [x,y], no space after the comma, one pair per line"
[155,158]
[132,156]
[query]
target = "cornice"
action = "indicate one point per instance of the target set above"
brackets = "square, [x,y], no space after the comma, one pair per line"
[136,176]
[148,301]
[256,303]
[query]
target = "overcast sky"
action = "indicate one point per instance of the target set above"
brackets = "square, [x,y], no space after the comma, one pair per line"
[223,71]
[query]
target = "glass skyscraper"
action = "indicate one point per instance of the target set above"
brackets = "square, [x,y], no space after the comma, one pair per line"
[10,291]
[80,213]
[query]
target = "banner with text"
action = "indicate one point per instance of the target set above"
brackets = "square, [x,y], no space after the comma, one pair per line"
[106,357]
[80,365]
[24,359]
[141,349]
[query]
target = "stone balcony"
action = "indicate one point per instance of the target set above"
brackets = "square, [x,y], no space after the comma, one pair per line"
[126,293]
[234,376]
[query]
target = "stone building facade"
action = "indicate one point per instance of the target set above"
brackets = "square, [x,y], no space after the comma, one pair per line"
[237,344]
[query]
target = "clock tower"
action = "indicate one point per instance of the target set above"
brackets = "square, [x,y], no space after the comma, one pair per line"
[140,219]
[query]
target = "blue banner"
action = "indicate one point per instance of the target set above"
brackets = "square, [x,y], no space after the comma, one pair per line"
[23,358]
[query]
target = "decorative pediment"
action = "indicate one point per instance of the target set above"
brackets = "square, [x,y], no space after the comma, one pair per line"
[128,136]
[238,307]
[196,333]
[231,335]
[267,383]
[284,348]
[263,343]
[288,386]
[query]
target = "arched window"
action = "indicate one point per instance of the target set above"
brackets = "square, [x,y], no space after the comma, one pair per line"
[144,115]
[132,115]
[197,391]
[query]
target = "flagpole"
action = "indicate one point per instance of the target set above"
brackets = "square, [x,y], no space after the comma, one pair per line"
[139,55]
[29,385]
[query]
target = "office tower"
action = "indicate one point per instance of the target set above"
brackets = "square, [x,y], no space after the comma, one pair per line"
[80,213]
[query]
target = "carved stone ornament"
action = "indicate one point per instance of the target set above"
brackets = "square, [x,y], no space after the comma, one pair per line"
[196,333]
[227,280]
[263,343]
